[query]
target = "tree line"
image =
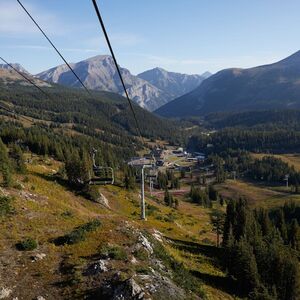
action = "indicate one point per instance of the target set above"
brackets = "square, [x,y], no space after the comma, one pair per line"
[262,249]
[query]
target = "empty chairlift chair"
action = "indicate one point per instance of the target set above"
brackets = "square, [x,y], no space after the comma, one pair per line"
[102,175]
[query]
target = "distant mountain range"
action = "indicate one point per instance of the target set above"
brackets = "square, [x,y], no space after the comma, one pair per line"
[274,86]
[9,76]
[174,84]
[99,73]
[16,66]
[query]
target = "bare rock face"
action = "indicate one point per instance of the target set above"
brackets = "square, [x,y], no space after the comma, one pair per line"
[143,242]
[100,266]
[103,201]
[38,256]
[5,292]
[174,84]
[99,73]
[128,290]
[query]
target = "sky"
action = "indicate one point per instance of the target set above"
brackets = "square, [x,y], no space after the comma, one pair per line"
[186,36]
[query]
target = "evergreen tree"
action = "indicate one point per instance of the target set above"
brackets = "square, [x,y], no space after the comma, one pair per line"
[175,183]
[162,180]
[78,169]
[5,166]
[244,267]
[281,225]
[221,200]
[217,220]
[18,158]
[168,198]
[294,235]
[212,193]
[176,203]
[182,173]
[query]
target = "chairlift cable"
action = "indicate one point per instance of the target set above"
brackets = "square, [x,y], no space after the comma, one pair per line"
[25,77]
[117,67]
[54,47]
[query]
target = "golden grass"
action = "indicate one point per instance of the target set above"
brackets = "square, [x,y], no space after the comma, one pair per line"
[46,210]
[257,195]
[291,159]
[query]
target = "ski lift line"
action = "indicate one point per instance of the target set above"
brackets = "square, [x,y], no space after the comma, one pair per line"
[54,47]
[117,67]
[25,77]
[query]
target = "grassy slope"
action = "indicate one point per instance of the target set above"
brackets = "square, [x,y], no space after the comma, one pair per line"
[291,159]
[45,210]
[256,194]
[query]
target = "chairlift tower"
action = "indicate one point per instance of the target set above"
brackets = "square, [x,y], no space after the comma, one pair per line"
[234,175]
[286,178]
[142,164]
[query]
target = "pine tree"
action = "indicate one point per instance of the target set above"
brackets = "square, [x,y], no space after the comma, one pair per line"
[294,235]
[217,220]
[5,166]
[18,158]
[281,225]
[230,221]
[182,174]
[245,268]
[176,203]
[212,193]
[168,198]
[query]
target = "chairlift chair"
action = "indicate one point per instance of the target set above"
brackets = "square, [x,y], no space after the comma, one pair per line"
[102,175]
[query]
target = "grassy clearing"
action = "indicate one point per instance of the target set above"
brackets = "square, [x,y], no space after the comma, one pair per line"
[291,159]
[256,194]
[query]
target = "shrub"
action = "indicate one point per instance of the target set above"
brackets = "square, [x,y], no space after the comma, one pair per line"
[113,252]
[5,206]
[92,193]
[28,244]
[78,234]
[67,214]
[151,209]
[141,254]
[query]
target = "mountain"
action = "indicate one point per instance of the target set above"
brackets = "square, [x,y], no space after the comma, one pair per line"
[10,76]
[99,73]
[174,84]
[16,66]
[273,86]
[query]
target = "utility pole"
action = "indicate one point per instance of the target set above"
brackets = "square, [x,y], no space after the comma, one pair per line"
[143,213]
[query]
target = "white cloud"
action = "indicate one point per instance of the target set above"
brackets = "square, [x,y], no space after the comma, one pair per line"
[13,20]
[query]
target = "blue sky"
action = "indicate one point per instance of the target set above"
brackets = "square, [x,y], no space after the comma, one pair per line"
[189,36]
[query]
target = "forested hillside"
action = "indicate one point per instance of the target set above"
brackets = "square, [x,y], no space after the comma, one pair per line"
[273,86]
[105,114]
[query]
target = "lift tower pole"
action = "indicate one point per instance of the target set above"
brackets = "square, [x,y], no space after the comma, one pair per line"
[143,213]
